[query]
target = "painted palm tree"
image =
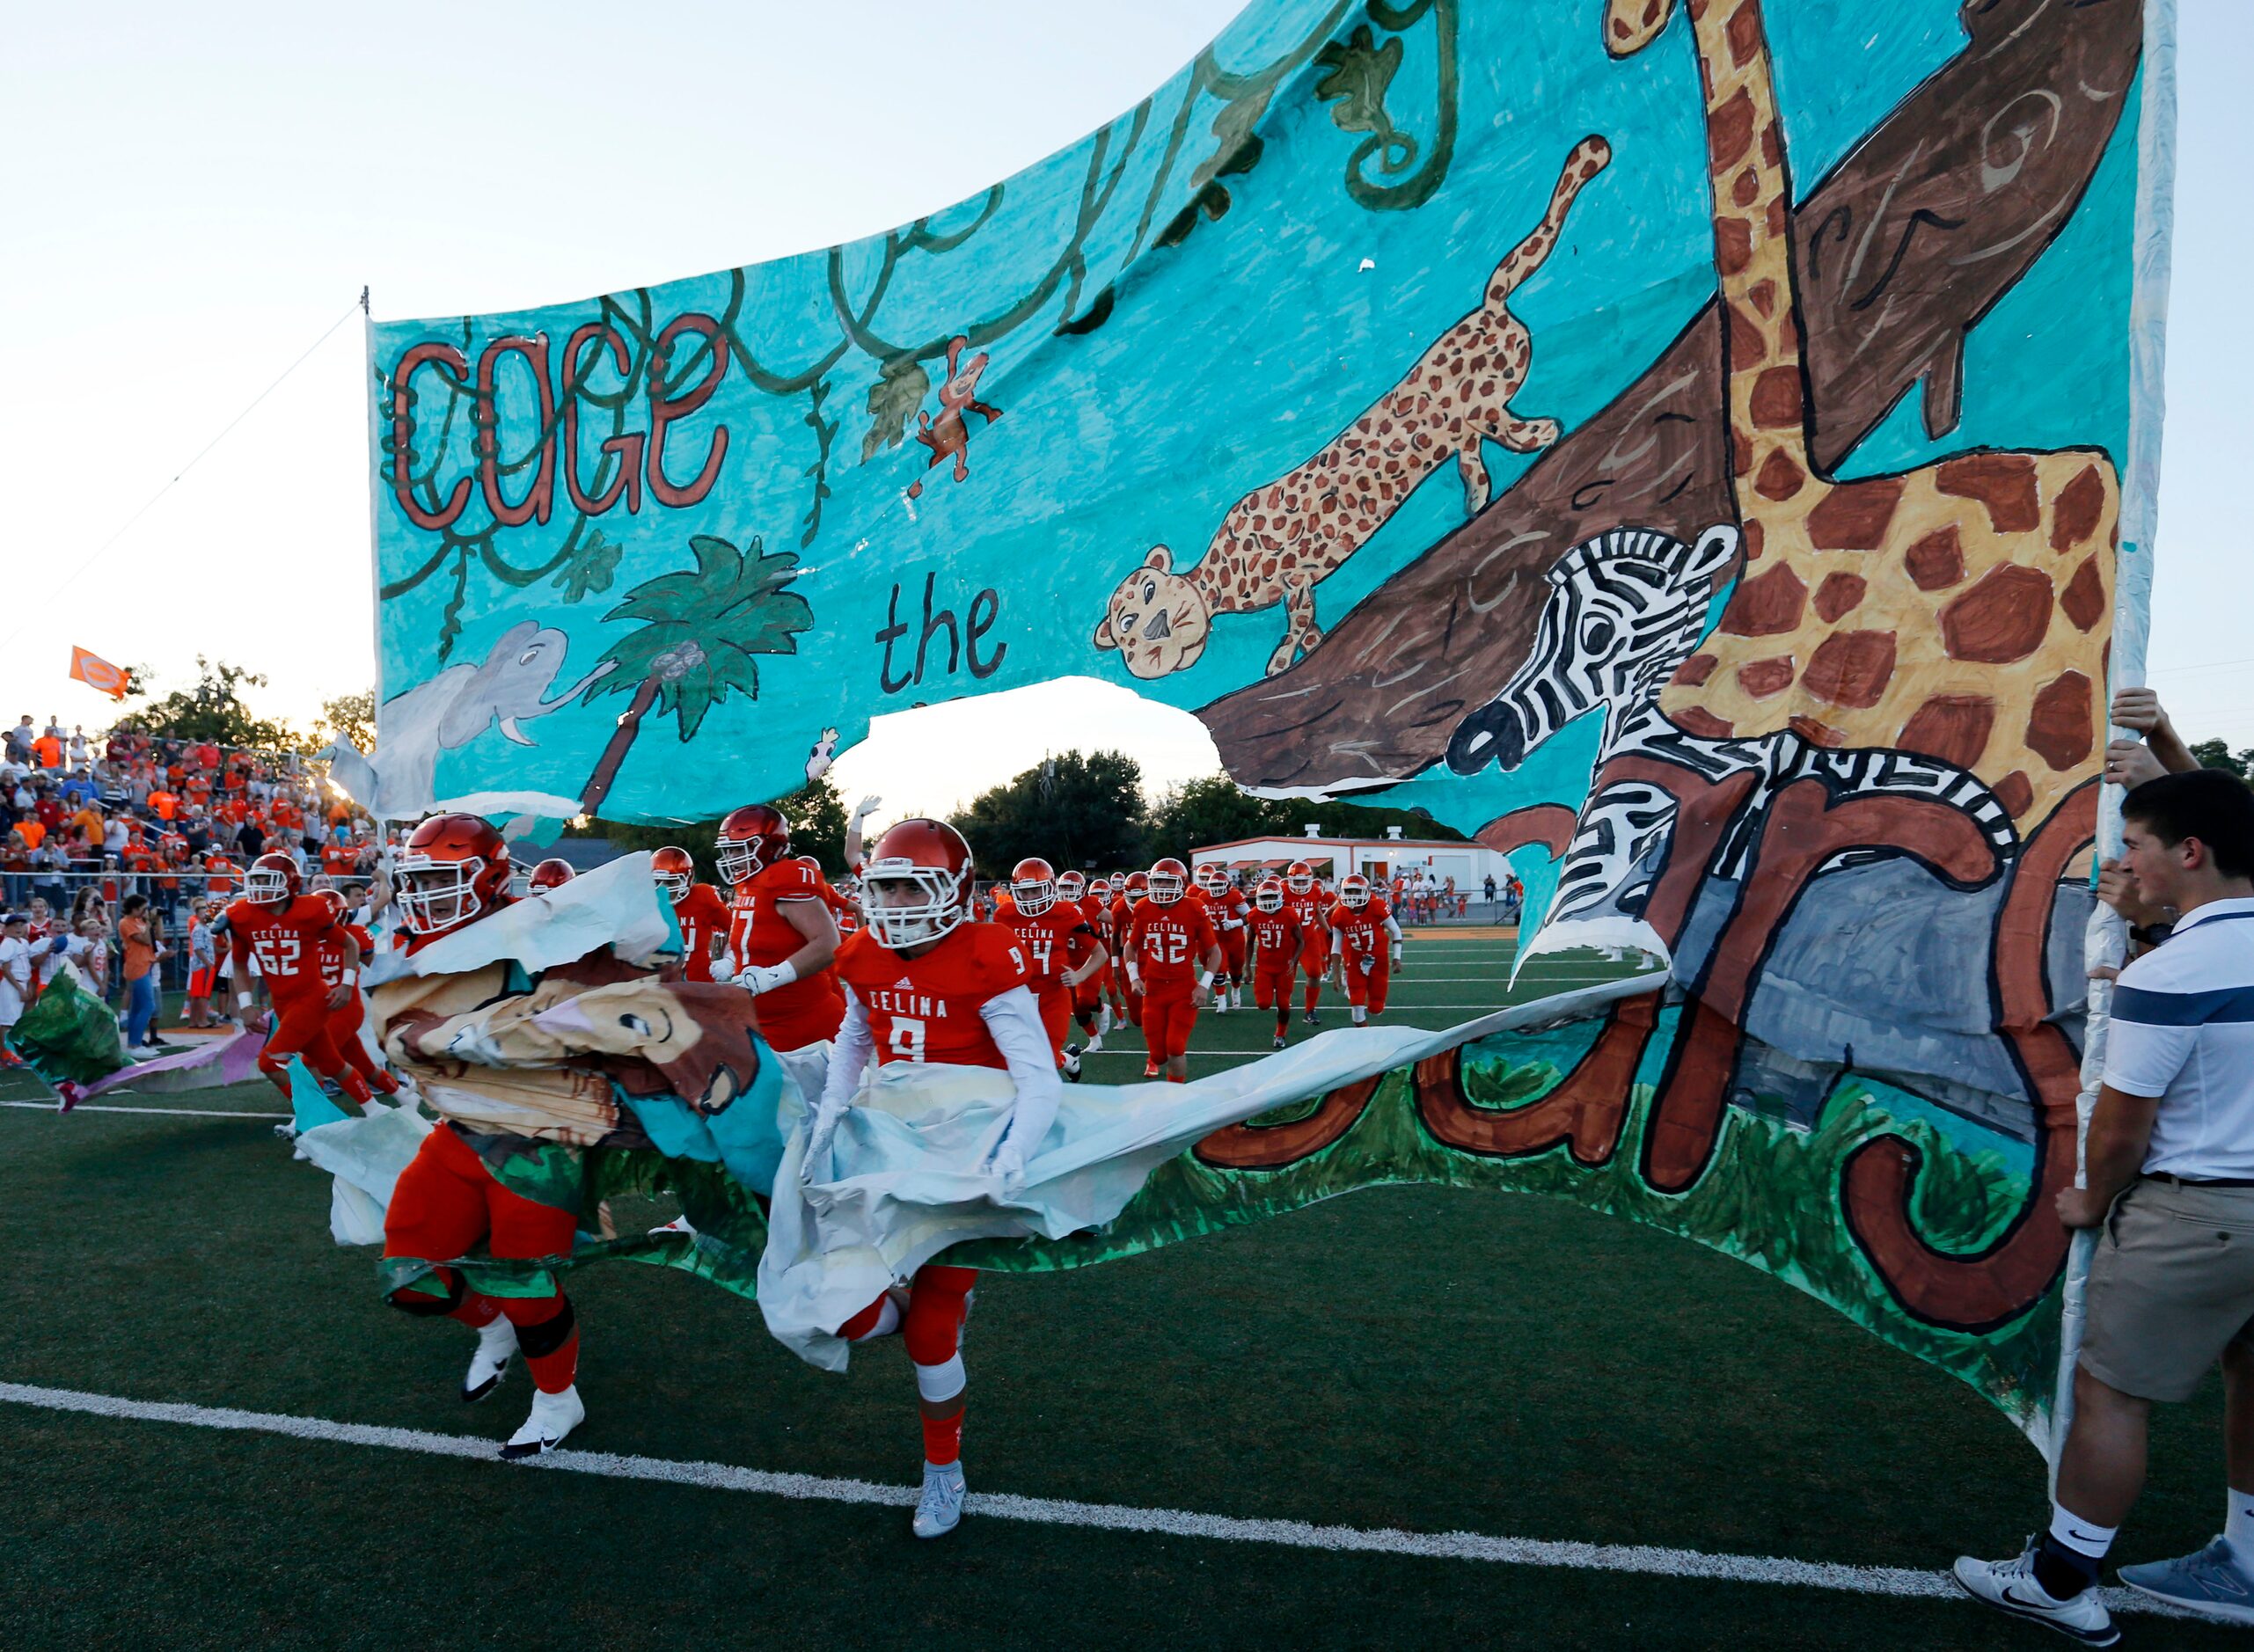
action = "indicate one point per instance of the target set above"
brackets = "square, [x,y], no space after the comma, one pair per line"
[699,632]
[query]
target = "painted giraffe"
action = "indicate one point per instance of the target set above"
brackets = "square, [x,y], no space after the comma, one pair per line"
[1286,537]
[1960,610]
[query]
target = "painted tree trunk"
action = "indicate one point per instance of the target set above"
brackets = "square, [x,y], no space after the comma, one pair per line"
[614,752]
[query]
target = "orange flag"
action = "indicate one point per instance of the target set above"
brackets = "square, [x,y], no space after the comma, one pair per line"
[96,672]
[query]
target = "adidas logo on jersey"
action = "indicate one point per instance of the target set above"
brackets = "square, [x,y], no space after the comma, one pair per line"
[902,982]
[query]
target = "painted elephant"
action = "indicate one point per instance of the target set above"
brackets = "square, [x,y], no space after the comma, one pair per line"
[510,689]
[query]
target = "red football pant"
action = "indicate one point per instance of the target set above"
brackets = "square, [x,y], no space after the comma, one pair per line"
[796,1028]
[1271,988]
[1232,954]
[1368,990]
[1087,997]
[1168,1013]
[939,1300]
[344,1033]
[442,1205]
[1056,1003]
[301,1027]
[1314,966]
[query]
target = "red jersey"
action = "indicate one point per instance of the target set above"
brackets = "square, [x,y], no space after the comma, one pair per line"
[926,1008]
[331,952]
[702,916]
[1169,943]
[1361,934]
[1054,942]
[1313,911]
[287,940]
[759,933]
[1231,908]
[1276,934]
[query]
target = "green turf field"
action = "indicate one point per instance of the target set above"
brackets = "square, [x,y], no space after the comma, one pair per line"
[1409,1358]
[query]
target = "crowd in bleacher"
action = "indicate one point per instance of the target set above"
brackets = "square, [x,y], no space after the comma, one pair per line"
[93,824]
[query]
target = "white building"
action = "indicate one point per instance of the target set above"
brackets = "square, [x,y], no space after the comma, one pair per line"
[1378,858]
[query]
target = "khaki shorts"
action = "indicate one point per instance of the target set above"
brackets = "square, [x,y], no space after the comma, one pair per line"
[2170,1287]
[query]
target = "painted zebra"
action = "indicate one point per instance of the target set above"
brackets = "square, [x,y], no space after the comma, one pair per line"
[1624,610]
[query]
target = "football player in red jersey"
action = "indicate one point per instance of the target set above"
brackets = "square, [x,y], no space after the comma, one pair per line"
[924,983]
[1172,953]
[1062,948]
[698,910]
[345,1021]
[1276,947]
[781,940]
[1361,925]
[1305,897]
[550,874]
[1230,909]
[285,928]
[1127,894]
[1088,1007]
[841,909]
[453,871]
[1102,895]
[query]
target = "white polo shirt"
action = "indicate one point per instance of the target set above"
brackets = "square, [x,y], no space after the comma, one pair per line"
[2183,1030]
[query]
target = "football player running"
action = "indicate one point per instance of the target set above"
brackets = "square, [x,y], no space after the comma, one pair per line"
[286,930]
[924,982]
[1171,953]
[452,871]
[1088,1007]
[1062,948]
[1274,929]
[1304,898]
[781,938]
[1231,908]
[345,1019]
[701,915]
[1361,925]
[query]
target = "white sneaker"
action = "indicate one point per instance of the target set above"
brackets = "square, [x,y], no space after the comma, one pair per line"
[554,1416]
[496,1347]
[678,1225]
[1103,1022]
[1220,1003]
[1095,1043]
[940,1509]
[2011,1586]
[1072,1063]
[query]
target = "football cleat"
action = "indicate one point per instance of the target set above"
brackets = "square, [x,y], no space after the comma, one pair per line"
[1149,1069]
[1221,1002]
[1102,1022]
[2011,1586]
[678,1225]
[1280,1042]
[1072,1063]
[1309,1018]
[940,1509]
[553,1417]
[496,1347]
[1094,1044]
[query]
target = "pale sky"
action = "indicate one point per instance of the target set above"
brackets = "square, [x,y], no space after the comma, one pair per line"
[192,194]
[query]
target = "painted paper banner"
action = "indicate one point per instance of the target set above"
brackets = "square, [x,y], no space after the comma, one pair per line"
[1708,453]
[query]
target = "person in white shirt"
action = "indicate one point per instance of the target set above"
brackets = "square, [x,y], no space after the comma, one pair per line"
[2169,1183]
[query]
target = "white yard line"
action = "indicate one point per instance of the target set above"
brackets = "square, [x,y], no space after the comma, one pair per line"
[1298,1534]
[184,1113]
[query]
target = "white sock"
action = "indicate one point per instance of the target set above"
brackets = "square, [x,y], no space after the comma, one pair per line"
[2238,1528]
[2083,1537]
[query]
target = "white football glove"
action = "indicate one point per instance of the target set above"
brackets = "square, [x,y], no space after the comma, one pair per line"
[865,807]
[723,972]
[767,977]
[817,1141]
[1008,1168]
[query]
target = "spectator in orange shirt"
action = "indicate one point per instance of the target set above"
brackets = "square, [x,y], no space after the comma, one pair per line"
[49,749]
[164,802]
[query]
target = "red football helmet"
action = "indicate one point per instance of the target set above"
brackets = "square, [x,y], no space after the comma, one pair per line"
[755,837]
[1298,878]
[1071,886]
[916,885]
[1354,891]
[1168,879]
[272,881]
[1033,886]
[675,871]
[453,870]
[334,902]
[1212,878]
[550,872]
[1134,888]
[1269,897]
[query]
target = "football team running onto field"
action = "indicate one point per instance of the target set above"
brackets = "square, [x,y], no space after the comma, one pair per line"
[896,968]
